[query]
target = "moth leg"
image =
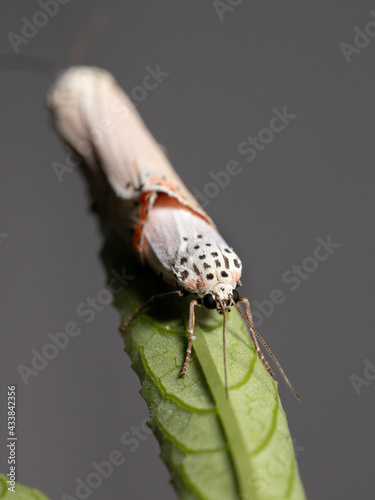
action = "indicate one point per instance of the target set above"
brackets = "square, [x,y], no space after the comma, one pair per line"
[125,325]
[193,303]
[252,333]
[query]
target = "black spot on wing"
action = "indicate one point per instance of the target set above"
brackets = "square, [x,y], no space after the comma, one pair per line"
[202,257]
[224,274]
[183,260]
[210,276]
[196,270]
[214,254]
[218,263]
[236,263]
[184,275]
[226,261]
[206,266]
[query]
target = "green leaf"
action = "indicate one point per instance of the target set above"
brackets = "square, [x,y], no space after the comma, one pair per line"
[21,492]
[216,448]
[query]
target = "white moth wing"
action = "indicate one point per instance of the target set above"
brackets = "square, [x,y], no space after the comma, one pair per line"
[168,232]
[100,121]
[69,119]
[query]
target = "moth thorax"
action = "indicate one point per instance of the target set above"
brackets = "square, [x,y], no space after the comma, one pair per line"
[203,266]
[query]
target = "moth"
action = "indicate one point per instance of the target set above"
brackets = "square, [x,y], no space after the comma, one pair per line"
[152,209]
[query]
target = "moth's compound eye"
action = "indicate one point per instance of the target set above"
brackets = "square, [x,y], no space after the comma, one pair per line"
[236,296]
[209,301]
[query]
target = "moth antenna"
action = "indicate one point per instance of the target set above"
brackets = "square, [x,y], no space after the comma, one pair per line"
[224,348]
[249,322]
[279,367]
[90,31]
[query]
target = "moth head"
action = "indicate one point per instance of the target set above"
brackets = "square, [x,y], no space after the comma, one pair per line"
[223,293]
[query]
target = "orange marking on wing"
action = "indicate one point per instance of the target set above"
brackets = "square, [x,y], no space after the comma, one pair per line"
[189,202]
[172,187]
[201,283]
[138,231]
[236,275]
[190,286]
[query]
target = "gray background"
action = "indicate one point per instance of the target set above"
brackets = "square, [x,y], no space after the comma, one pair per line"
[314,179]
